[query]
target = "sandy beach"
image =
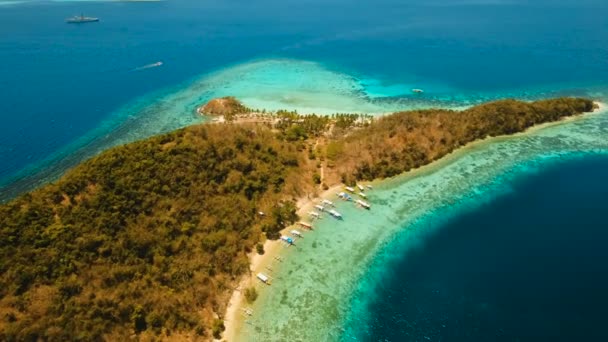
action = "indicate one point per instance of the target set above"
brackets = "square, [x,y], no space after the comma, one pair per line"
[235,317]
[235,312]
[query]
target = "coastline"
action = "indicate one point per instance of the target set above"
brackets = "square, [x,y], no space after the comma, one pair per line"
[235,320]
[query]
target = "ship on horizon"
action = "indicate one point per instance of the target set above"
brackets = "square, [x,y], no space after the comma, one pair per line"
[80,19]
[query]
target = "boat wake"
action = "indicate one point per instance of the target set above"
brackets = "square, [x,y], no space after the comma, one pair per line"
[148,66]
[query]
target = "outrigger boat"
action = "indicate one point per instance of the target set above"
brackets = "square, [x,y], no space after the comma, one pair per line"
[320,207]
[417,91]
[369,186]
[328,202]
[364,204]
[263,278]
[360,187]
[349,189]
[287,240]
[345,196]
[362,194]
[314,214]
[297,233]
[335,214]
[305,225]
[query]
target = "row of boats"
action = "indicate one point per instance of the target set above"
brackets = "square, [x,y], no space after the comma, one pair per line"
[324,205]
[345,196]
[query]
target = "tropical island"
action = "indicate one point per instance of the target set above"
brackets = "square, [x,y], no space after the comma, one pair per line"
[150,239]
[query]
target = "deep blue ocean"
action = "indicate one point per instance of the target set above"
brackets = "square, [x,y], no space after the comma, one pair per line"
[531,265]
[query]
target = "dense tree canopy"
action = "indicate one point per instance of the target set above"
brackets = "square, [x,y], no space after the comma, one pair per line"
[145,237]
[149,238]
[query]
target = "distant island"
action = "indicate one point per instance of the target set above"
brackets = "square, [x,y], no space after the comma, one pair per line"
[148,240]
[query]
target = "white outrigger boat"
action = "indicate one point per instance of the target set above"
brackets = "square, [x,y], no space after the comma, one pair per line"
[327,202]
[297,233]
[349,189]
[369,186]
[314,214]
[320,207]
[364,204]
[263,278]
[362,194]
[335,214]
[305,225]
[360,187]
[287,240]
[345,196]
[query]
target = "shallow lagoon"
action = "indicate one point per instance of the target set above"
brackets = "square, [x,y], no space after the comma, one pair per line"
[69,91]
[323,289]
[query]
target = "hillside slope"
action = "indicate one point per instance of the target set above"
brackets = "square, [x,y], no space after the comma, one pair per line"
[149,238]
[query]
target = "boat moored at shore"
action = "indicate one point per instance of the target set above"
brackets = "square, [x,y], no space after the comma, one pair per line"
[328,202]
[345,196]
[263,278]
[335,214]
[305,225]
[297,233]
[287,240]
[314,214]
[364,204]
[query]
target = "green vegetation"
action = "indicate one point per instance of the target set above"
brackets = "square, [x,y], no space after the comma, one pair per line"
[403,141]
[251,294]
[259,248]
[150,238]
[145,238]
[228,106]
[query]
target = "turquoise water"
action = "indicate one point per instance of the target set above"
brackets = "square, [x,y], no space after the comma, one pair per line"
[324,289]
[70,91]
[530,265]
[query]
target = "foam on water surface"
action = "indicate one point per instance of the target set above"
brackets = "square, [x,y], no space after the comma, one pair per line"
[321,289]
